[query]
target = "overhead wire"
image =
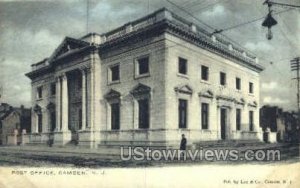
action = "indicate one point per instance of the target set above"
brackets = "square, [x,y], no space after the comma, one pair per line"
[249,22]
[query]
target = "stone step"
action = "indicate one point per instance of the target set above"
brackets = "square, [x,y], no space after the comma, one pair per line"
[227,143]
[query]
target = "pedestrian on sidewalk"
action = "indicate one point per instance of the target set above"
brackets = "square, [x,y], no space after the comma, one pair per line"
[183,145]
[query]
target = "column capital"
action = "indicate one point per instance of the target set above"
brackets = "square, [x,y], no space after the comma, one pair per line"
[61,76]
[85,68]
[57,78]
[64,76]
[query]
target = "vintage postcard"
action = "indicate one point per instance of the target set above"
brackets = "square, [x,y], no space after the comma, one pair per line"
[149,93]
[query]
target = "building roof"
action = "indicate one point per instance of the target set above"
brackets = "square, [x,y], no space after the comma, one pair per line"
[162,20]
[6,110]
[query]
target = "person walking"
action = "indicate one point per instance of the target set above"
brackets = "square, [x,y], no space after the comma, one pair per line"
[183,145]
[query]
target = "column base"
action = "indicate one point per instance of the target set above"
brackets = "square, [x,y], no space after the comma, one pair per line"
[62,138]
[88,138]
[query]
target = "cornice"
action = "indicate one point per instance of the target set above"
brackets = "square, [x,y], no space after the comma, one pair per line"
[198,39]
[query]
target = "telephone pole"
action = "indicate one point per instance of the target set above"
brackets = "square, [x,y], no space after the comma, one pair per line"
[295,66]
[1,93]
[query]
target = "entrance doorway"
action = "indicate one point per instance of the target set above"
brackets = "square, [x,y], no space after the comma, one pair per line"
[223,123]
[53,121]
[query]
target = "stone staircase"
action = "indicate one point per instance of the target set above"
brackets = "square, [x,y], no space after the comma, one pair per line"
[228,144]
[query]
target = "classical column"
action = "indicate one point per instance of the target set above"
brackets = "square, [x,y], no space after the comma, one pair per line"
[218,120]
[64,98]
[83,72]
[58,104]
[232,123]
[89,96]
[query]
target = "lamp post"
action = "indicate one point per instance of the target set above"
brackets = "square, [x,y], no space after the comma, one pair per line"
[269,21]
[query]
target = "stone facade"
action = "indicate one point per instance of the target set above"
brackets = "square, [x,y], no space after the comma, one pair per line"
[124,87]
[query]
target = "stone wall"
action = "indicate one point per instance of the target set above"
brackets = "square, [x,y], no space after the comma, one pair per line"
[154,48]
[197,57]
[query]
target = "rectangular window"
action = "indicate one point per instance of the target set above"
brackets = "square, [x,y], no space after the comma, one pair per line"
[182,110]
[143,65]
[182,66]
[222,78]
[115,73]
[53,89]
[250,87]
[238,119]
[204,115]
[39,92]
[115,116]
[204,73]
[251,121]
[40,122]
[238,83]
[144,113]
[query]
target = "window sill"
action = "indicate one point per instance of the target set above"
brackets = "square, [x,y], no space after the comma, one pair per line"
[205,82]
[183,75]
[114,82]
[39,99]
[251,94]
[183,128]
[115,130]
[142,76]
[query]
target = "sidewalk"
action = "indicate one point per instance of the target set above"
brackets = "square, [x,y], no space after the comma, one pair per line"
[110,157]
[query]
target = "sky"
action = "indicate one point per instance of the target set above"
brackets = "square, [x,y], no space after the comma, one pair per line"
[31,30]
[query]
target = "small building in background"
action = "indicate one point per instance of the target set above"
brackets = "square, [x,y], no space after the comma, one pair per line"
[13,122]
[278,121]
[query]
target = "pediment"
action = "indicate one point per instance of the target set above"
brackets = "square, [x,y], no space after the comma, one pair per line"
[185,89]
[112,94]
[15,114]
[207,94]
[68,44]
[253,104]
[140,89]
[225,98]
[240,101]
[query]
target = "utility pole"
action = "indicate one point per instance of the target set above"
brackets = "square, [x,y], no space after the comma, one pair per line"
[295,66]
[270,21]
[1,94]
